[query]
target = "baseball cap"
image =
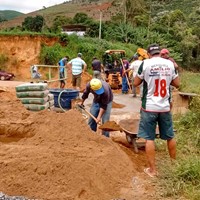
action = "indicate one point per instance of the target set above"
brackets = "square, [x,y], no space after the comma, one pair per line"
[164,51]
[153,49]
[96,86]
[135,56]
[79,54]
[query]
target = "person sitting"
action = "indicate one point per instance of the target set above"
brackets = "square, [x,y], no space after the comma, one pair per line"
[34,72]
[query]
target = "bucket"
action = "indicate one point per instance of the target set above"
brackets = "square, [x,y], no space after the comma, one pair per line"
[64,97]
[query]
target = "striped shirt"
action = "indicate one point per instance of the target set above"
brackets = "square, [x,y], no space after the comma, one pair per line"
[77,65]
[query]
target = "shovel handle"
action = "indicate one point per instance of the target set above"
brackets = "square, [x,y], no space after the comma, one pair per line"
[93,117]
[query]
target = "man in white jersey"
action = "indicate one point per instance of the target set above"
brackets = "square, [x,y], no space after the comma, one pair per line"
[78,67]
[134,67]
[157,75]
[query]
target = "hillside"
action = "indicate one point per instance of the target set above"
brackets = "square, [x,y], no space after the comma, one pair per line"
[9,14]
[109,8]
[68,9]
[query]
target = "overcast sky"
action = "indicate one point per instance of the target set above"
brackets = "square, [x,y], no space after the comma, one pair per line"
[27,6]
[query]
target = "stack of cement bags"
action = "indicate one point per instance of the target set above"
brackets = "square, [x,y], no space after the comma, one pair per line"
[35,96]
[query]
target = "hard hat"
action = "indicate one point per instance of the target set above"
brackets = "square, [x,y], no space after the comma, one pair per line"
[164,51]
[96,86]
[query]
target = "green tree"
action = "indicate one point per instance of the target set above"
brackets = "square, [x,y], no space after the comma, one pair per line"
[38,23]
[33,24]
[58,22]
[134,8]
[122,32]
[81,18]
[2,19]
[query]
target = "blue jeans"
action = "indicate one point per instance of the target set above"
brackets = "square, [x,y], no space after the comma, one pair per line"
[124,85]
[94,110]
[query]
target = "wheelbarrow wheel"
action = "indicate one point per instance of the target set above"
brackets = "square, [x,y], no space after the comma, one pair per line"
[134,144]
[129,138]
[132,140]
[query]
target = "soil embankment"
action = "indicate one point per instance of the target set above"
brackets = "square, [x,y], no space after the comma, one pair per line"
[21,52]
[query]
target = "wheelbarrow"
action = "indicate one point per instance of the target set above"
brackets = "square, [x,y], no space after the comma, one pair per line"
[128,126]
[131,131]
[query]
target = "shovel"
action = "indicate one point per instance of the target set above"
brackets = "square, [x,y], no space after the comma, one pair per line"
[83,108]
[107,126]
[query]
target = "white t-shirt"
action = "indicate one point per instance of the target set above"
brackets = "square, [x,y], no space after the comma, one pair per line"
[135,66]
[157,74]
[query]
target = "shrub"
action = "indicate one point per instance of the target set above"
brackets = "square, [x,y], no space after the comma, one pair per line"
[3,60]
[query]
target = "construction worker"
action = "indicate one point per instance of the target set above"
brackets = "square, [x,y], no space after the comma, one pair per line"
[164,53]
[125,76]
[102,102]
[62,64]
[157,74]
[97,68]
[78,67]
[134,67]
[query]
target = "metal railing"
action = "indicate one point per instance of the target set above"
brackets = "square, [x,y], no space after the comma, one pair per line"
[50,67]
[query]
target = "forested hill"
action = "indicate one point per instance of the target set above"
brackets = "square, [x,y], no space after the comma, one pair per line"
[109,7]
[9,14]
[186,6]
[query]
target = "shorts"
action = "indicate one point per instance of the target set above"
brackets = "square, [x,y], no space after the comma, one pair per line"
[76,80]
[62,76]
[149,121]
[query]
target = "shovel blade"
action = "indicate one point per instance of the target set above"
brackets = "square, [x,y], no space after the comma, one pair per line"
[110,126]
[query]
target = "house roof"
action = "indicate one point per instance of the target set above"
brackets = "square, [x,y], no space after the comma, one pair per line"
[74,27]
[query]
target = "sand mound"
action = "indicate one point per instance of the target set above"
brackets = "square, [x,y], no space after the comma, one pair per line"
[48,155]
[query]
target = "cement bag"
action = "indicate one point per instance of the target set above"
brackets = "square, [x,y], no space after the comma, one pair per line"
[50,97]
[51,103]
[31,87]
[51,108]
[36,107]
[34,100]
[39,94]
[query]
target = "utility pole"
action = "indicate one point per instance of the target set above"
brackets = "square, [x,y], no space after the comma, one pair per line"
[100,18]
[149,22]
[125,12]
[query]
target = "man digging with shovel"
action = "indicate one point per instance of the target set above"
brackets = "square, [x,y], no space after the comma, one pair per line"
[102,103]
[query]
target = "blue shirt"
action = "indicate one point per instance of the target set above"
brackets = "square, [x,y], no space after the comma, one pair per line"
[62,63]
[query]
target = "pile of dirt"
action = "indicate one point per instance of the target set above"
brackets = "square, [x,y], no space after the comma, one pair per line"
[49,155]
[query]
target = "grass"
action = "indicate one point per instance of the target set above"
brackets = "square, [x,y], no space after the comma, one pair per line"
[190,82]
[181,179]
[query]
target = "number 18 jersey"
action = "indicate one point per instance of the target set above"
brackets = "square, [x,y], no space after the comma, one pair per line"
[157,74]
